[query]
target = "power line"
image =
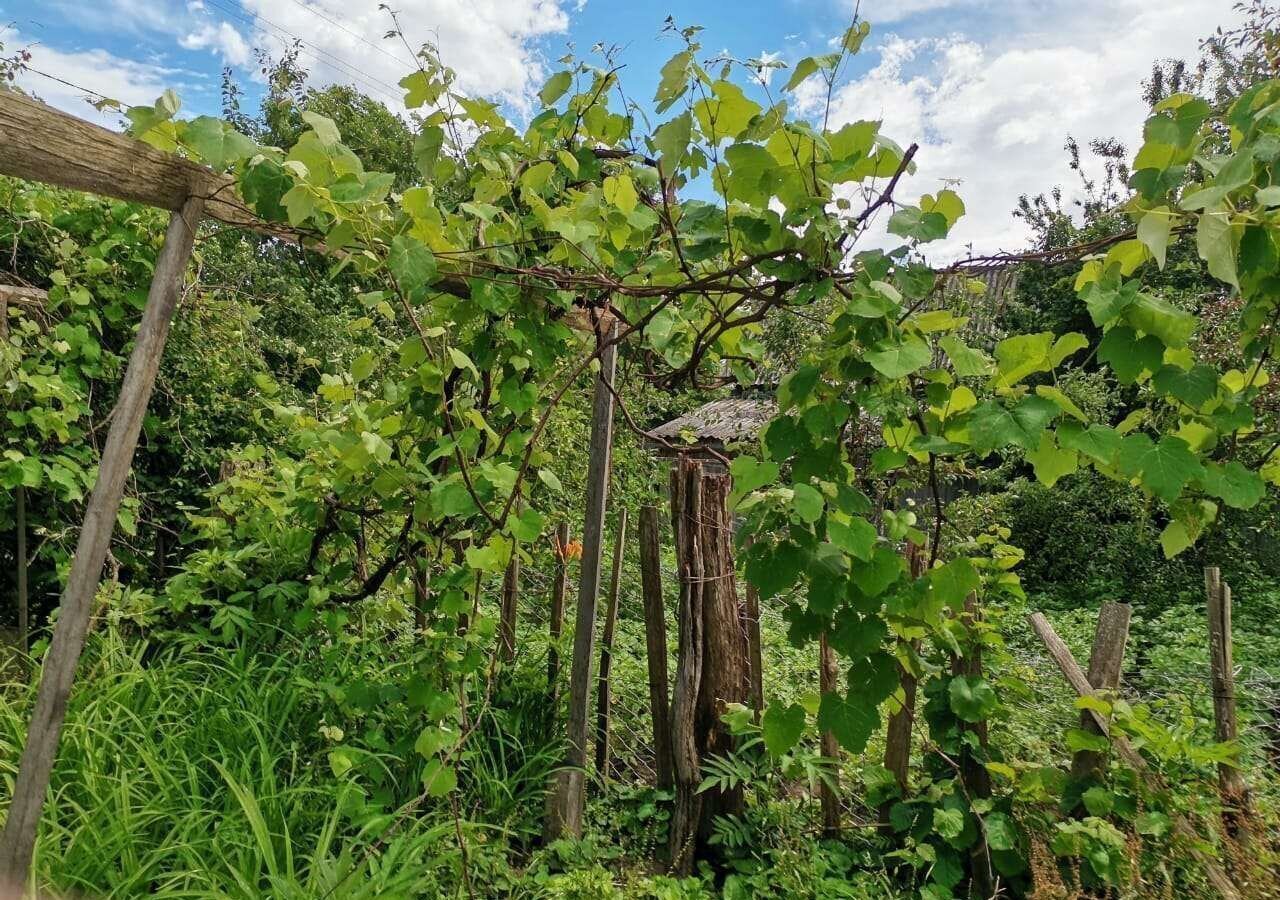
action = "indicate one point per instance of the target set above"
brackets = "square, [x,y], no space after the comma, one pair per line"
[233,8]
[355,34]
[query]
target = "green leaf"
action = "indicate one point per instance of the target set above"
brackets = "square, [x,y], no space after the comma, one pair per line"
[620,192]
[362,368]
[807,503]
[1194,387]
[781,727]
[1099,801]
[674,79]
[1128,355]
[413,265]
[438,779]
[804,68]
[972,699]
[426,149]
[1175,538]
[855,35]
[882,570]
[1002,833]
[1232,483]
[856,537]
[1163,468]
[1051,462]
[671,140]
[1158,317]
[953,582]
[325,130]
[948,823]
[966,361]
[1215,242]
[851,720]
[992,426]
[549,478]
[420,89]
[897,360]
[750,473]
[1154,229]
[555,87]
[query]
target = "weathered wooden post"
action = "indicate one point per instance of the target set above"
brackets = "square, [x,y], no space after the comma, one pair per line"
[686,517]
[897,745]
[1105,661]
[20,521]
[1060,653]
[604,697]
[754,649]
[655,636]
[510,607]
[555,623]
[712,669]
[565,813]
[828,797]
[1236,802]
[59,668]
[973,769]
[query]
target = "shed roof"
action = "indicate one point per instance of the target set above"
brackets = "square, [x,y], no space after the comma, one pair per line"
[725,421]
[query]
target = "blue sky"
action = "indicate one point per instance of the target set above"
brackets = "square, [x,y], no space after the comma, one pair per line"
[990,90]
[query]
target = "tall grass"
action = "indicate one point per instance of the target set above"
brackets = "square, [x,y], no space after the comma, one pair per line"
[202,775]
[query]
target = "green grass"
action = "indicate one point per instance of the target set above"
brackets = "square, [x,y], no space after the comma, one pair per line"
[203,775]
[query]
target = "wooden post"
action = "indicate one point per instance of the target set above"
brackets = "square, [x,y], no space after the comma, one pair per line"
[655,635]
[24,623]
[421,595]
[686,513]
[603,696]
[897,746]
[1105,661]
[725,675]
[756,660]
[565,816]
[973,770]
[59,669]
[510,608]
[828,680]
[1236,803]
[1061,655]
[559,586]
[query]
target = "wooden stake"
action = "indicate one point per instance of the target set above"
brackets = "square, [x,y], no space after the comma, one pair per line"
[973,769]
[655,635]
[1061,655]
[754,650]
[24,623]
[59,669]
[1105,662]
[603,696]
[559,586]
[1236,802]
[570,790]
[829,682]
[686,512]
[510,608]
[897,746]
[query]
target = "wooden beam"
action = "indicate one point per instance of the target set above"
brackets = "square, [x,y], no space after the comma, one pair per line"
[59,668]
[65,151]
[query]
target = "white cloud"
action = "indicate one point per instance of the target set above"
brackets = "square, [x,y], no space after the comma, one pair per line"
[129,81]
[994,111]
[766,57]
[884,11]
[493,44]
[220,38]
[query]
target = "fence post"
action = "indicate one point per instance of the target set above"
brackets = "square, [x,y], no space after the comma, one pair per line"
[1066,663]
[756,656]
[555,625]
[686,514]
[565,813]
[510,607]
[24,622]
[1236,803]
[655,635]
[1105,662]
[604,697]
[59,667]
[973,771]
[897,745]
[828,798]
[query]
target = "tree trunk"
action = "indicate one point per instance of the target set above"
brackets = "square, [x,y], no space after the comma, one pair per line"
[565,815]
[655,633]
[59,668]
